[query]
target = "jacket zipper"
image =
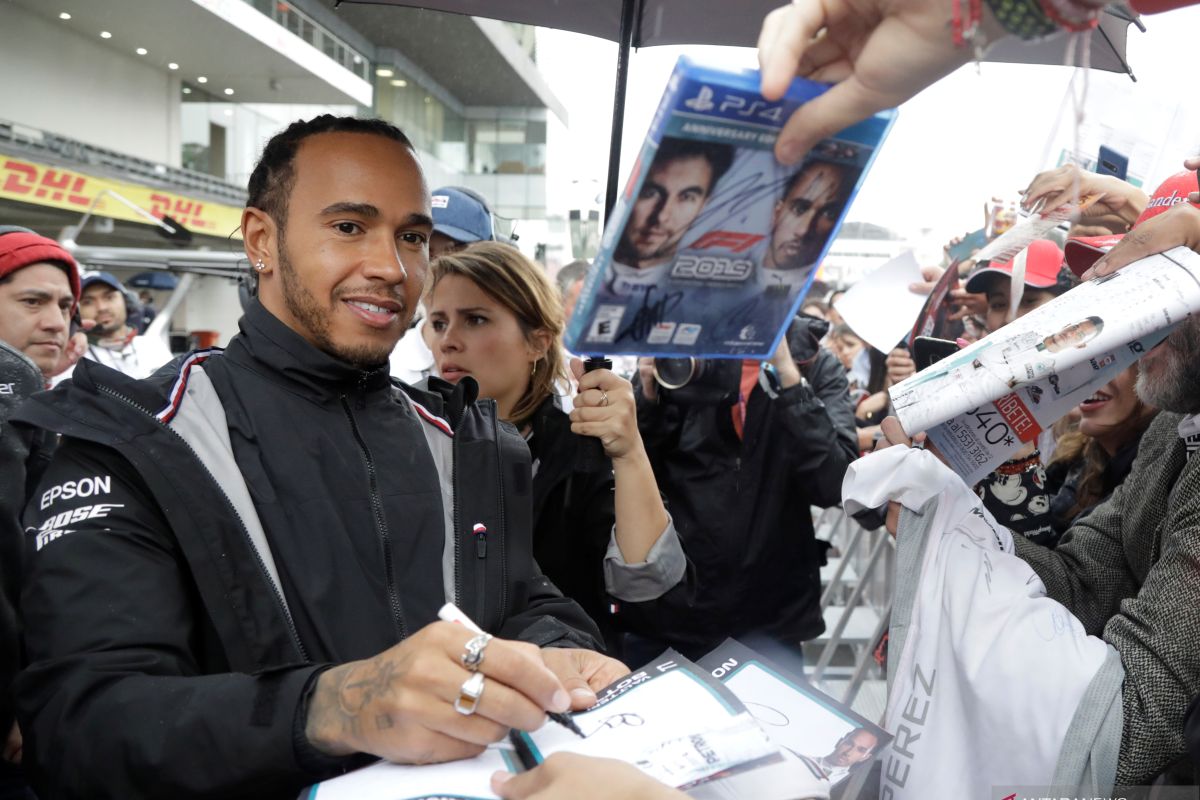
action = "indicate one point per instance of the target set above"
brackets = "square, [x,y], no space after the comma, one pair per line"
[503,517]
[385,539]
[458,549]
[262,566]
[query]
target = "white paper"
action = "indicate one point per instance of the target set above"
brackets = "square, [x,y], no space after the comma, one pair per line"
[789,779]
[468,780]
[880,308]
[673,727]
[792,719]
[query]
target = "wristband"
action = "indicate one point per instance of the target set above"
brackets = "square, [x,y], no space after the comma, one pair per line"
[1070,16]
[1024,19]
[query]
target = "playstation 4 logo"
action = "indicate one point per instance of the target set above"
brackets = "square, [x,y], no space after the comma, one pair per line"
[703,101]
[744,106]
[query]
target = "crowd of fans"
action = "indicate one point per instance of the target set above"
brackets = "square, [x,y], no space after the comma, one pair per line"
[222,573]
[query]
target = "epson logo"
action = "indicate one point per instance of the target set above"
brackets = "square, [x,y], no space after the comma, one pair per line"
[84,487]
[708,101]
[694,267]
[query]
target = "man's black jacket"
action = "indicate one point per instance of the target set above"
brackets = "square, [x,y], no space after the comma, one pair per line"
[167,657]
[742,506]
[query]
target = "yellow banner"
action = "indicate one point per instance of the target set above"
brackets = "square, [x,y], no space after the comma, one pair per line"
[30,182]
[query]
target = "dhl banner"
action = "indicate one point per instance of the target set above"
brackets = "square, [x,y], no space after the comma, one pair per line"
[30,182]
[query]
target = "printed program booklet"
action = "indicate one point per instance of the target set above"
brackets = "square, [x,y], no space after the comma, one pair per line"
[982,404]
[671,719]
[713,243]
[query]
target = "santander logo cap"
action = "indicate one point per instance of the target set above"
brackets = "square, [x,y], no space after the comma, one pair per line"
[1081,253]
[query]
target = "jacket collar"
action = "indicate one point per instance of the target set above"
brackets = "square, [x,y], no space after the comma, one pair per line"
[272,349]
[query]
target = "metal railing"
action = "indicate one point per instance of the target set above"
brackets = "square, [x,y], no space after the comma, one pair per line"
[26,141]
[289,17]
[865,571]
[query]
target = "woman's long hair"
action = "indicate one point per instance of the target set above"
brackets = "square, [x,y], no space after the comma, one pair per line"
[521,286]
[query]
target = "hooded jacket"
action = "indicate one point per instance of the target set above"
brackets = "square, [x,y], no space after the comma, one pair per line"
[208,540]
[743,506]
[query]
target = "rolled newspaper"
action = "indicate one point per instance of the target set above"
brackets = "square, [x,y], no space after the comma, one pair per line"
[982,404]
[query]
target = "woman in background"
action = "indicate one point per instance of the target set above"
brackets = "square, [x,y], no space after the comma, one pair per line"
[600,530]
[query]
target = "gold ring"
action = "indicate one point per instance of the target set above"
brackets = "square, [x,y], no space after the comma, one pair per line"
[603,397]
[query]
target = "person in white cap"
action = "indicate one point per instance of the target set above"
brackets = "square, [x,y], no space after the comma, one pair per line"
[460,217]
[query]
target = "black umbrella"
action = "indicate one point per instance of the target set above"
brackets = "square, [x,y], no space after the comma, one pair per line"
[642,23]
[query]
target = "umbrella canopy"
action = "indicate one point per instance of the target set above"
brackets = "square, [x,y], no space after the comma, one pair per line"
[719,22]
[655,21]
[642,23]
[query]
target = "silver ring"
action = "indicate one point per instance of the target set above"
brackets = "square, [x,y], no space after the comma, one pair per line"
[603,397]
[472,655]
[469,694]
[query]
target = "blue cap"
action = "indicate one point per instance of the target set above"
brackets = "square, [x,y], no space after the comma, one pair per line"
[90,278]
[460,216]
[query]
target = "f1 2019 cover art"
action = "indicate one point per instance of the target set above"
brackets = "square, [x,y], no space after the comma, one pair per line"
[714,243]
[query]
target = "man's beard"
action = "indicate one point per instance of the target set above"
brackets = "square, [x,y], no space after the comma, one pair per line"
[1176,386]
[109,330]
[112,329]
[318,320]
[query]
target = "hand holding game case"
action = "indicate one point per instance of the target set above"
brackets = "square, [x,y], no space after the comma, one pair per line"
[714,243]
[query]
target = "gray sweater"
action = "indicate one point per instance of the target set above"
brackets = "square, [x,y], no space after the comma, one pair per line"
[1130,571]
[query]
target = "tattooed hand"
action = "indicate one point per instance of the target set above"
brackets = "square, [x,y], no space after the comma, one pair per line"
[399,705]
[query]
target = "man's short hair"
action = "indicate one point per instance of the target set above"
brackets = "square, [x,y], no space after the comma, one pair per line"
[843,189]
[271,182]
[718,156]
[569,274]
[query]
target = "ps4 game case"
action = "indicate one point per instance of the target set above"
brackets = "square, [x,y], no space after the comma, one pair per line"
[713,244]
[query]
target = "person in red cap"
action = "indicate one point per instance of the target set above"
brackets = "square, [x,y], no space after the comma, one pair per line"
[1082,253]
[39,290]
[1044,280]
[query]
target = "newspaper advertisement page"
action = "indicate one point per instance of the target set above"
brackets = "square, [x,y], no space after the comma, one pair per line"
[977,441]
[1043,363]
[713,243]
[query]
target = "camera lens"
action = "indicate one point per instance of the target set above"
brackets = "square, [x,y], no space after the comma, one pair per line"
[674,373]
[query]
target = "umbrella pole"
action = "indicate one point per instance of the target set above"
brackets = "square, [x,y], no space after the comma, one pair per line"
[618,118]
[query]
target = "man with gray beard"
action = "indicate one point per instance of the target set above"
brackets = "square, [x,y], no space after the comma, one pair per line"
[1127,570]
